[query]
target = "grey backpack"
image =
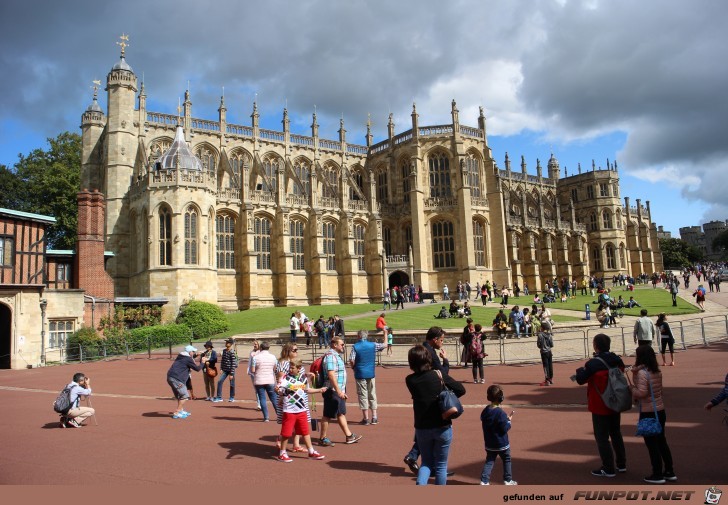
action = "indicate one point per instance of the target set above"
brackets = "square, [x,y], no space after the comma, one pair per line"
[617,395]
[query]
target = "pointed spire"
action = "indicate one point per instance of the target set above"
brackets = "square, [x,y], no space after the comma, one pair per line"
[538,167]
[390,126]
[615,166]
[369,130]
[579,167]
[481,119]
[594,166]
[508,163]
[314,125]
[342,131]
[523,163]
[415,119]
[455,116]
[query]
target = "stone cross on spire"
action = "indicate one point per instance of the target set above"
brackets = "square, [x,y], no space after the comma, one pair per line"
[124,43]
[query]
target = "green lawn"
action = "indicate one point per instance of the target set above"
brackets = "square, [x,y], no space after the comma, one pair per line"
[654,300]
[421,316]
[269,318]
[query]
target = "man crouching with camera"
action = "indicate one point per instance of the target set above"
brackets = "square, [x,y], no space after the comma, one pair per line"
[80,387]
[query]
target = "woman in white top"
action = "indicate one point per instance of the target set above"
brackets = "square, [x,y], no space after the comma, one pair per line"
[254,353]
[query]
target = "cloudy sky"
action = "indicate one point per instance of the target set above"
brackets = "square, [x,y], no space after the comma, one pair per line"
[636,81]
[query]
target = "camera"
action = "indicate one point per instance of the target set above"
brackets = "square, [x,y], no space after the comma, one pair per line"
[573,378]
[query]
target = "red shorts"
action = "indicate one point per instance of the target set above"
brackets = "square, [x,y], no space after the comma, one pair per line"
[294,422]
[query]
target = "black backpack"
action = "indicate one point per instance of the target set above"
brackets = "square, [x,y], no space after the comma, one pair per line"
[63,403]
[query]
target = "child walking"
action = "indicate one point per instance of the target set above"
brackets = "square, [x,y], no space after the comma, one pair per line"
[496,424]
[390,341]
[294,390]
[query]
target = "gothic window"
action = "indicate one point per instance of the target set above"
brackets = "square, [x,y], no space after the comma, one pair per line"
[357,180]
[238,161]
[191,231]
[622,259]
[209,162]
[6,252]
[262,242]
[331,190]
[387,238]
[157,149]
[329,231]
[382,183]
[472,167]
[439,176]
[590,192]
[165,237]
[407,238]
[270,169]
[225,242]
[596,260]
[575,194]
[404,174]
[607,220]
[518,247]
[297,244]
[359,232]
[603,189]
[611,258]
[593,222]
[303,172]
[443,244]
[479,243]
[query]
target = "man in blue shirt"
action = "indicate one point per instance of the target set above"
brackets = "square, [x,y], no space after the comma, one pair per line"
[363,360]
[335,395]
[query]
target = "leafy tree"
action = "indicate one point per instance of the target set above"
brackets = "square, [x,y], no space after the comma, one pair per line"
[205,319]
[677,253]
[46,182]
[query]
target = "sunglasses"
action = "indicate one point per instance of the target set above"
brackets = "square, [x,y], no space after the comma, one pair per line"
[294,350]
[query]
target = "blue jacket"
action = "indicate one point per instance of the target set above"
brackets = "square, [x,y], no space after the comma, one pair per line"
[495,428]
[365,359]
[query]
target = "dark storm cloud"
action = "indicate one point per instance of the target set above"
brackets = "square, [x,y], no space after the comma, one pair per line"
[651,70]
[564,69]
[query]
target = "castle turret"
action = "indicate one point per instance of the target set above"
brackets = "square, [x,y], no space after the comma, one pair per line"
[121,152]
[93,121]
[553,168]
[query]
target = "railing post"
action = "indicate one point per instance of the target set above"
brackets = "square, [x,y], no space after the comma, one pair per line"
[682,335]
[726,324]
[126,346]
[586,345]
[702,330]
[149,347]
[80,353]
[103,346]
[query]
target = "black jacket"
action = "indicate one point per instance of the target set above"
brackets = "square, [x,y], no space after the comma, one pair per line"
[425,388]
[443,366]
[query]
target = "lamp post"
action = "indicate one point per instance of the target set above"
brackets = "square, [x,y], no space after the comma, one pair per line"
[43,305]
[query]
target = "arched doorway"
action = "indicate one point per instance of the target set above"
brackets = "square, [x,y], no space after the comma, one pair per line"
[5,335]
[398,278]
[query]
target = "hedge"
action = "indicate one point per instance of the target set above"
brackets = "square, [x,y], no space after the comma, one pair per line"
[205,319]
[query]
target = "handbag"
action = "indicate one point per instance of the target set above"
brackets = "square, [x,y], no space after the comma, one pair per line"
[211,371]
[450,406]
[649,426]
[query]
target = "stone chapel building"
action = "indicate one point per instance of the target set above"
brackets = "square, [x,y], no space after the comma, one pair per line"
[243,216]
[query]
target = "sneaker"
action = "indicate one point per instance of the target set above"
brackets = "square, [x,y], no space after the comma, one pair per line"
[326,442]
[315,455]
[669,476]
[365,422]
[217,399]
[283,458]
[622,470]
[186,414]
[601,472]
[485,483]
[208,398]
[179,415]
[544,383]
[231,400]
[551,382]
[266,420]
[353,438]
[72,423]
[654,479]
[412,464]
[258,408]
[510,482]
[375,420]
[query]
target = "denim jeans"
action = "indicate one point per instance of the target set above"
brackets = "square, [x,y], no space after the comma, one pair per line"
[434,445]
[260,391]
[606,427]
[490,457]
[224,375]
[517,326]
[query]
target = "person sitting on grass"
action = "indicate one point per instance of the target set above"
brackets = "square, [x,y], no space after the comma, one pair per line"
[454,307]
[632,303]
[442,314]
